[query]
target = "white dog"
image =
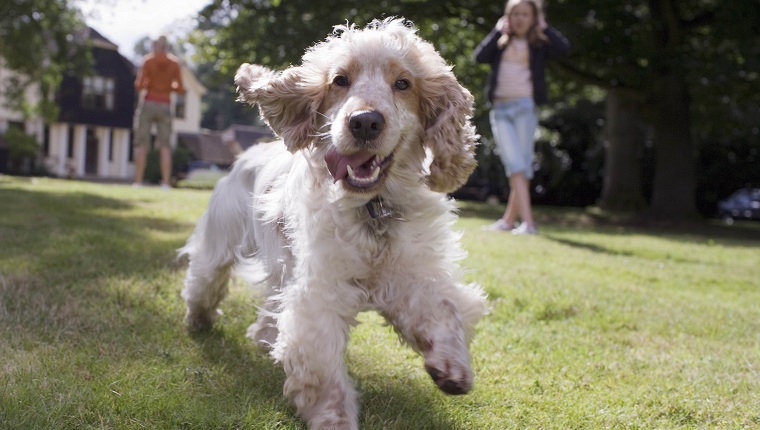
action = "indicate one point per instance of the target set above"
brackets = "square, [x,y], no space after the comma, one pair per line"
[346,215]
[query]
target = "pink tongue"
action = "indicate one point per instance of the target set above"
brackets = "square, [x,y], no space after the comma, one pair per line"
[338,163]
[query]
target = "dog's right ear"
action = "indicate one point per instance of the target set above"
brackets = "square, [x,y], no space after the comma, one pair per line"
[285,102]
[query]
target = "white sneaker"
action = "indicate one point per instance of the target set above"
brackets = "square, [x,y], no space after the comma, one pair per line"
[136,185]
[166,187]
[499,225]
[526,228]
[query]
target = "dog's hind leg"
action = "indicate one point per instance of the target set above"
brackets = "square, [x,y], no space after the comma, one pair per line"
[207,279]
[213,250]
[205,288]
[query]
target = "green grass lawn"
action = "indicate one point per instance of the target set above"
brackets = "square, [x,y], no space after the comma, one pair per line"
[593,325]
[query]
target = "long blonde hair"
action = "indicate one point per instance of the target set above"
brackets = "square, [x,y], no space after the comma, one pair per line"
[536,36]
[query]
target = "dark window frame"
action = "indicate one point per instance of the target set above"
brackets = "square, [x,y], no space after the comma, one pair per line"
[99,93]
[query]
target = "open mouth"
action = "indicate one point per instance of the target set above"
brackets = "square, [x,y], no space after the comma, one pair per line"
[363,170]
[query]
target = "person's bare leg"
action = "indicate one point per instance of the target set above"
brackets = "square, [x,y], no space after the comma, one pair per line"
[512,209]
[166,165]
[521,187]
[141,154]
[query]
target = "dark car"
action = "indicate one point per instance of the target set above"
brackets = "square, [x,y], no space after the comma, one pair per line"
[742,204]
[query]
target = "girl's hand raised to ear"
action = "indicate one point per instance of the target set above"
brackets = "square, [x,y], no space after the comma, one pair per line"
[541,21]
[503,25]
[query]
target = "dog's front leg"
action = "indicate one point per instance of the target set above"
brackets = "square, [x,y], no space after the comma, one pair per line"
[311,345]
[437,320]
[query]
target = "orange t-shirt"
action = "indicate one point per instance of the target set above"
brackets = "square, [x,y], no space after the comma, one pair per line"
[160,75]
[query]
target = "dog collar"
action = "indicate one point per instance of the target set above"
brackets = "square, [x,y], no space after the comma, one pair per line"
[378,210]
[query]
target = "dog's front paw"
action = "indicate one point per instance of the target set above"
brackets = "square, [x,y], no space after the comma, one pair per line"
[264,332]
[451,378]
[201,320]
[447,361]
[451,383]
[332,424]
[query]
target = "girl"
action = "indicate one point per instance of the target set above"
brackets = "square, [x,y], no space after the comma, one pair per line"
[517,49]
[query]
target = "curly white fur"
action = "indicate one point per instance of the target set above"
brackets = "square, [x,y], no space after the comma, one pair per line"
[304,232]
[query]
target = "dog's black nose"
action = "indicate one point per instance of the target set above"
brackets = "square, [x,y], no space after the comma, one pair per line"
[367,124]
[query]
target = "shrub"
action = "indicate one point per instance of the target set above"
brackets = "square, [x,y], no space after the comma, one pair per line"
[22,150]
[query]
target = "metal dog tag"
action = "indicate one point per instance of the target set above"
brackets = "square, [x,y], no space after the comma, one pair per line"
[377,210]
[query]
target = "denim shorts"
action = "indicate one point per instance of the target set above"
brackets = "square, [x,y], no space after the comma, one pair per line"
[513,124]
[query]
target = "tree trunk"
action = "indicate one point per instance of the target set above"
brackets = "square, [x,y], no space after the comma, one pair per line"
[622,170]
[674,193]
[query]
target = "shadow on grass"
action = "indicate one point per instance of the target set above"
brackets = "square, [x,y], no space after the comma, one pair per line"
[257,380]
[70,262]
[588,246]
[620,223]
[402,406]
[385,403]
[219,348]
[559,217]
[80,232]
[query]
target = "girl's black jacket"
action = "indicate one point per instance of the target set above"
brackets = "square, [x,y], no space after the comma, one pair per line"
[488,52]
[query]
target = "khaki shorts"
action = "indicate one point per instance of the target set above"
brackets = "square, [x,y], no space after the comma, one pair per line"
[149,112]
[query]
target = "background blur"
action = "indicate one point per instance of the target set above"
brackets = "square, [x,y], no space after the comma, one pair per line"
[656,111]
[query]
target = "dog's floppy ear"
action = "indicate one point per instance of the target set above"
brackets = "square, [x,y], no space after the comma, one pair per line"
[285,102]
[449,134]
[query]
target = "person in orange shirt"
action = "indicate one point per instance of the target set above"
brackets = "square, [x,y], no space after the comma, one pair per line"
[159,76]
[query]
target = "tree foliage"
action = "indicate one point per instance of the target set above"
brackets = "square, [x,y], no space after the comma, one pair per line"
[40,40]
[690,67]
[630,44]
[21,147]
[276,33]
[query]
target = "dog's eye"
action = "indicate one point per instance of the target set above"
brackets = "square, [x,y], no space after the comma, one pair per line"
[341,81]
[402,84]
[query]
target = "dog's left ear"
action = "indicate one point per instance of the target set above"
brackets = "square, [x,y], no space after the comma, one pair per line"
[449,134]
[285,102]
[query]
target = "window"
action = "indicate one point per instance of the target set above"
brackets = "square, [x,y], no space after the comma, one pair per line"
[98,93]
[179,106]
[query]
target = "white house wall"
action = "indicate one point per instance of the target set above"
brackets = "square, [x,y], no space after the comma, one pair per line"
[192,121]
[194,90]
[122,168]
[58,162]
[80,134]
[56,159]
